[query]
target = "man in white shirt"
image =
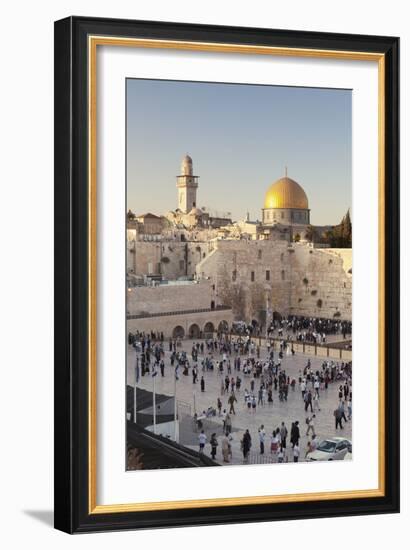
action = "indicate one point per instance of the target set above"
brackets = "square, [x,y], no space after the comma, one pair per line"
[303,388]
[202,441]
[311,425]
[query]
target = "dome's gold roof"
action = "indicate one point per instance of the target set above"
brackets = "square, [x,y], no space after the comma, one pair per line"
[286,193]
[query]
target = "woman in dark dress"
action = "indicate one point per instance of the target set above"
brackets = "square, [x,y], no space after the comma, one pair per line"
[246,444]
[295,433]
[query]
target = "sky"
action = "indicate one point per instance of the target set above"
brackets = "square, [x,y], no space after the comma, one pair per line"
[241,138]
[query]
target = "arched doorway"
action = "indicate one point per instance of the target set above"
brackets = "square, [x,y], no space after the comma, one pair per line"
[194,331]
[178,332]
[223,326]
[209,330]
[276,316]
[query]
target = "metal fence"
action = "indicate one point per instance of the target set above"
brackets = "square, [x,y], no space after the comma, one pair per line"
[146,315]
[320,350]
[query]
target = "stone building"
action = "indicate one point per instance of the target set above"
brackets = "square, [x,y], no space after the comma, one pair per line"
[151,224]
[286,203]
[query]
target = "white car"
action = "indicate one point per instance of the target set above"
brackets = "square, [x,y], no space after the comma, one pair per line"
[334,448]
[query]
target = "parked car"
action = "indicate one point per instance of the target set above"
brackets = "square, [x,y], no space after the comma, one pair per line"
[334,448]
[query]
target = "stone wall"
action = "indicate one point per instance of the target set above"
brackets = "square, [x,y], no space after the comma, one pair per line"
[321,284]
[257,275]
[171,297]
[251,275]
[248,275]
[171,259]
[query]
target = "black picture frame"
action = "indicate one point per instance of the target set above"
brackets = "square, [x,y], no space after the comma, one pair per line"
[71,389]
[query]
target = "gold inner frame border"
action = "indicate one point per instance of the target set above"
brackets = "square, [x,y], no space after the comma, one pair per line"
[93,43]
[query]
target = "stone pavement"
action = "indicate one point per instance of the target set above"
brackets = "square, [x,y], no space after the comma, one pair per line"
[270,415]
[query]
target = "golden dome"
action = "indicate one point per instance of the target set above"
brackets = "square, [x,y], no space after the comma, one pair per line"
[286,193]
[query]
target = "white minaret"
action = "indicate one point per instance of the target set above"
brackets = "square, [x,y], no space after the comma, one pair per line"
[187,184]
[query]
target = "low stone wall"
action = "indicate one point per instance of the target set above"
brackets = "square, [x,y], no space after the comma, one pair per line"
[170,297]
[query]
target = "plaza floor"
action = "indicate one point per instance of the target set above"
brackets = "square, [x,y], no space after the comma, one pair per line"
[270,415]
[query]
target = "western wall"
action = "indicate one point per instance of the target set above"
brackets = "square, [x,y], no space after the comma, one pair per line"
[286,278]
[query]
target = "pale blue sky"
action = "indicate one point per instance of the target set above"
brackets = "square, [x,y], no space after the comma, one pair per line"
[240,138]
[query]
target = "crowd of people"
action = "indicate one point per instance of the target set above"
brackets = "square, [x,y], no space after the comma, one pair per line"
[246,377]
[310,329]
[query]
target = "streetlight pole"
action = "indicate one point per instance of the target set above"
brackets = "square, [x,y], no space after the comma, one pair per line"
[135,392]
[154,405]
[176,435]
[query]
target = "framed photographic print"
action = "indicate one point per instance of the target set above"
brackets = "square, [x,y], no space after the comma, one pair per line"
[226,274]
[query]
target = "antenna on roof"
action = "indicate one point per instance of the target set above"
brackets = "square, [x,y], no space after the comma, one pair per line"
[286,171]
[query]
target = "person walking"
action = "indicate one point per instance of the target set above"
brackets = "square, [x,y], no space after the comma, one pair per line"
[342,409]
[316,405]
[283,435]
[337,413]
[260,396]
[261,432]
[219,406]
[253,404]
[274,444]
[226,449]
[232,400]
[296,453]
[295,433]
[308,401]
[202,441]
[316,386]
[202,384]
[303,388]
[246,444]
[228,424]
[214,444]
[311,425]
